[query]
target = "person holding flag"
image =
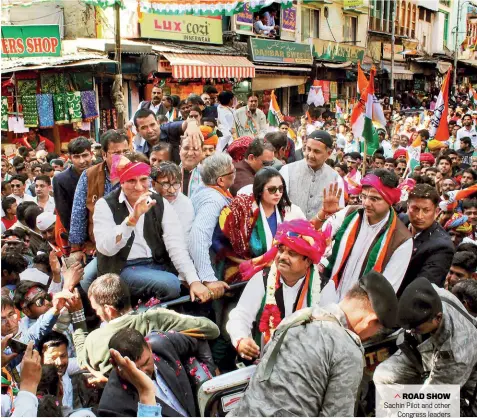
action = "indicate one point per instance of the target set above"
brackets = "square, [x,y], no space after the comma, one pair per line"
[439,128]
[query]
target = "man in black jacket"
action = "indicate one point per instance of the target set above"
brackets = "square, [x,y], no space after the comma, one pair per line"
[164,358]
[64,184]
[433,249]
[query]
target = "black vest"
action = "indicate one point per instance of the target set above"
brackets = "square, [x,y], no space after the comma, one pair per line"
[152,234]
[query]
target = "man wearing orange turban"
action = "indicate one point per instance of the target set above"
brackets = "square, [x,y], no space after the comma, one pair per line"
[210,140]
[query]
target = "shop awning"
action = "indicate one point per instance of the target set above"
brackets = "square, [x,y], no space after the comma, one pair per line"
[346,64]
[399,73]
[268,82]
[209,66]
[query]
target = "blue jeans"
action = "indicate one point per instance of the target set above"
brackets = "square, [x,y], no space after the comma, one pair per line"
[146,279]
[90,274]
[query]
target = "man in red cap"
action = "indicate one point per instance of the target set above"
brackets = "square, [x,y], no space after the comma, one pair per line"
[427,160]
[366,238]
[282,281]
[136,237]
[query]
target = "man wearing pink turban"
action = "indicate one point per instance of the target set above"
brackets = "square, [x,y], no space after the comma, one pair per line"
[136,237]
[281,281]
[367,238]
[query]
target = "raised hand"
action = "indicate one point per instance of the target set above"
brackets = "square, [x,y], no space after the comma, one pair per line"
[331,199]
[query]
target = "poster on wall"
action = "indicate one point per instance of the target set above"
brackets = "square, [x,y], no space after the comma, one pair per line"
[245,17]
[289,19]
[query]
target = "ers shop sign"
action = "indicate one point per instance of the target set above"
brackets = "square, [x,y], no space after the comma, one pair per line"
[202,29]
[31,41]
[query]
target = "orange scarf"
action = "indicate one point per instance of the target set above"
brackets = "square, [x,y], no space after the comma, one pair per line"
[223,192]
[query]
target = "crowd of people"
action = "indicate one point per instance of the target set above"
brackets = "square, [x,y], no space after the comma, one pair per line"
[293,244]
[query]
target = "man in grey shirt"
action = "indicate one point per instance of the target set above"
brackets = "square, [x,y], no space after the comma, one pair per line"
[306,179]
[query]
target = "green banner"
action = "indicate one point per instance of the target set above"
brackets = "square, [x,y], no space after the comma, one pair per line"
[280,52]
[31,41]
[352,3]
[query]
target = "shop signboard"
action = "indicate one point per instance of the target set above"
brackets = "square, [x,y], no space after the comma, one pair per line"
[31,41]
[185,28]
[334,51]
[398,49]
[352,3]
[280,52]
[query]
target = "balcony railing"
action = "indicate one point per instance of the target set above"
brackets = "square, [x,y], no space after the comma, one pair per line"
[378,26]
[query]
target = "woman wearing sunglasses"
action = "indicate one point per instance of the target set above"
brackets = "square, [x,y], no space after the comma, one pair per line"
[247,226]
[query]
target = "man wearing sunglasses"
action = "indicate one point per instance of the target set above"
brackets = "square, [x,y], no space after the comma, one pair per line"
[257,155]
[17,183]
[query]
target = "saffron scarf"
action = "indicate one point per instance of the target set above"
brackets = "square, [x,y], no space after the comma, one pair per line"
[269,315]
[223,192]
[347,235]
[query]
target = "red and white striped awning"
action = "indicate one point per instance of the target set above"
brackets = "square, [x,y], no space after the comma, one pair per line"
[210,66]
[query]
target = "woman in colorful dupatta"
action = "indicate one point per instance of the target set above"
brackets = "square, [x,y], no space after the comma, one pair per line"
[248,225]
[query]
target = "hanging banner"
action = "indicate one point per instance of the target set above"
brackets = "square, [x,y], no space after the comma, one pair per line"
[333,90]
[246,16]
[203,29]
[336,52]
[289,19]
[31,41]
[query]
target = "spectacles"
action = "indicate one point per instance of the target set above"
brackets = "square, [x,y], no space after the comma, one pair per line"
[11,316]
[274,189]
[167,186]
[372,199]
[15,186]
[267,163]
[228,174]
[40,300]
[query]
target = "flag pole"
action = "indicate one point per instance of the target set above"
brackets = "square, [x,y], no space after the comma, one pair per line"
[365,159]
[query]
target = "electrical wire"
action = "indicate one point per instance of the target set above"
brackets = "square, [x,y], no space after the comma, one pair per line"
[37,18]
[329,27]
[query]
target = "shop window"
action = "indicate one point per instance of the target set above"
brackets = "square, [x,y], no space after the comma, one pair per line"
[446,28]
[269,16]
[428,16]
[310,23]
[350,29]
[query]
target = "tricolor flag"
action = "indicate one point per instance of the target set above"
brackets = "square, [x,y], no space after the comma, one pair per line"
[472,95]
[274,116]
[372,143]
[439,128]
[362,80]
[414,155]
[376,115]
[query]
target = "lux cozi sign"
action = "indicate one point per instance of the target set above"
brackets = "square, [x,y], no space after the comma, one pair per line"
[203,29]
[31,41]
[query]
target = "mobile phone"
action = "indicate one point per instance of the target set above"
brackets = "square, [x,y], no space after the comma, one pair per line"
[69,261]
[17,346]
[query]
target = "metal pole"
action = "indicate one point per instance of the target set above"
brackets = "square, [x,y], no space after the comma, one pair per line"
[455,48]
[393,40]
[117,52]
[117,29]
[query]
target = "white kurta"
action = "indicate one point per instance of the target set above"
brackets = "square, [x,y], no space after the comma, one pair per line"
[394,271]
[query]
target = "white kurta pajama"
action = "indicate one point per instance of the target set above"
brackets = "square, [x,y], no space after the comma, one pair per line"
[394,270]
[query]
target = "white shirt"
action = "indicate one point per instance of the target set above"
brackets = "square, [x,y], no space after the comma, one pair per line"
[472,134]
[24,198]
[106,231]
[242,317]
[50,205]
[394,271]
[225,123]
[387,148]
[185,212]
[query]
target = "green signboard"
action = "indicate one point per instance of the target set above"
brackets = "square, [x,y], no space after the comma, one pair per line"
[31,41]
[336,52]
[280,52]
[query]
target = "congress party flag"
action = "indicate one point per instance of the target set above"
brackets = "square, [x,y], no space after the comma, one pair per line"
[372,142]
[414,154]
[439,128]
[274,115]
